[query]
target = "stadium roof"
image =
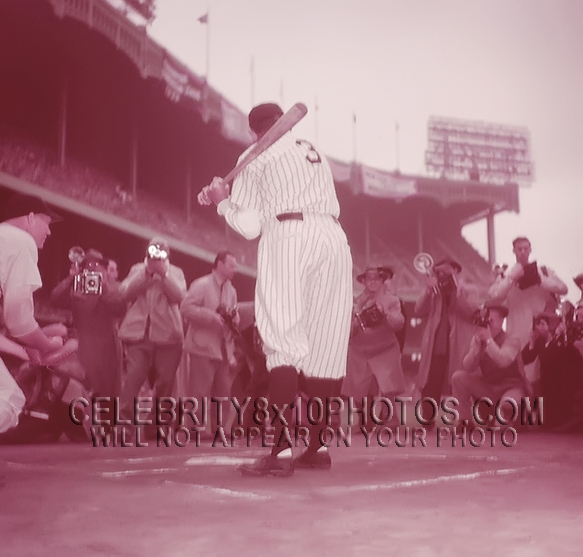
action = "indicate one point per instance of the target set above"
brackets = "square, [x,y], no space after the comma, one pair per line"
[183,86]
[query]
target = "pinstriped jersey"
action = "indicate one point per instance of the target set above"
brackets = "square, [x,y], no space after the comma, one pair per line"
[290,176]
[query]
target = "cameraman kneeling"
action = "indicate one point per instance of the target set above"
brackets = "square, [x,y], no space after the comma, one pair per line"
[96,303]
[491,368]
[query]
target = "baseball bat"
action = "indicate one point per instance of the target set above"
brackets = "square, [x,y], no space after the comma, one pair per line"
[283,124]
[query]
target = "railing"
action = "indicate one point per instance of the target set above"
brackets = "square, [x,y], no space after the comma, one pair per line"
[130,39]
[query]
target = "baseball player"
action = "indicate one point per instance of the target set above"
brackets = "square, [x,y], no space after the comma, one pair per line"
[24,227]
[303,294]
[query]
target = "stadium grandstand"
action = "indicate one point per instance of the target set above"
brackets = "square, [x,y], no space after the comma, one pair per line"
[104,123]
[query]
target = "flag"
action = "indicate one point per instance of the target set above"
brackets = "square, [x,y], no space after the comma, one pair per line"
[203,18]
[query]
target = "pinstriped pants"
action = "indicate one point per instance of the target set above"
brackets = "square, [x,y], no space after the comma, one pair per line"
[303,295]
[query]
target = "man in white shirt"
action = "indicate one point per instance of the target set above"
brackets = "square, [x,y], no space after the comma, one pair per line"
[527,290]
[24,228]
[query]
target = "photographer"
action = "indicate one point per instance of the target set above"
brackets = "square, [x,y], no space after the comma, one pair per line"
[152,329]
[96,304]
[491,367]
[374,355]
[527,289]
[448,305]
[210,312]
[555,345]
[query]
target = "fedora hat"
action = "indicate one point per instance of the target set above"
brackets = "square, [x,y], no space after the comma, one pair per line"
[383,271]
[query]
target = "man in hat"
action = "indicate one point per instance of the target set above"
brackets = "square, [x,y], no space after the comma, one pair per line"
[447,305]
[491,366]
[374,355]
[527,289]
[303,295]
[152,330]
[25,226]
[96,308]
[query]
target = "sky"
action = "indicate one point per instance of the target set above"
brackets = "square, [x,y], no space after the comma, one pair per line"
[389,62]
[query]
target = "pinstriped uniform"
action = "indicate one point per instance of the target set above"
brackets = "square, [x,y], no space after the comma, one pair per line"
[303,296]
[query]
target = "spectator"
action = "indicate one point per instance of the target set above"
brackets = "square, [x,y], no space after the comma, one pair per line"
[112,270]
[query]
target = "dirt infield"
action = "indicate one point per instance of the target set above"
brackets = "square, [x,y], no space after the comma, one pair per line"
[69,499]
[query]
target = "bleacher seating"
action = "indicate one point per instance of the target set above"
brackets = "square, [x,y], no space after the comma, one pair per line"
[399,252]
[37,164]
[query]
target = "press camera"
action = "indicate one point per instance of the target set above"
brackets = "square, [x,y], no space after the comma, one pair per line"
[531,276]
[87,279]
[480,317]
[370,317]
[156,251]
[229,315]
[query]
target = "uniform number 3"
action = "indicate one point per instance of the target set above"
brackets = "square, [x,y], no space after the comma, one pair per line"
[312,155]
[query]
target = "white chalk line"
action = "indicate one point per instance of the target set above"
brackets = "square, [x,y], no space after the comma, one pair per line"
[126,473]
[428,481]
[429,456]
[249,495]
[218,461]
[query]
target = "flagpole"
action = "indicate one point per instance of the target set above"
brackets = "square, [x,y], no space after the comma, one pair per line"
[252,79]
[354,136]
[208,47]
[397,145]
[281,101]
[204,20]
[316,108]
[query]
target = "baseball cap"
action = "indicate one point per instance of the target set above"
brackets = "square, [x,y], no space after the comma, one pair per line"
[264,114]
[20,205]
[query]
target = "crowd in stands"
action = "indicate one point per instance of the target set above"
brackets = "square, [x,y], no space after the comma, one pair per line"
[38,165]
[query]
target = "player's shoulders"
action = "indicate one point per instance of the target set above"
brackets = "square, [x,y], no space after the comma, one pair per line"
[137,267]
[15,235]
[202,282]
[15,241]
